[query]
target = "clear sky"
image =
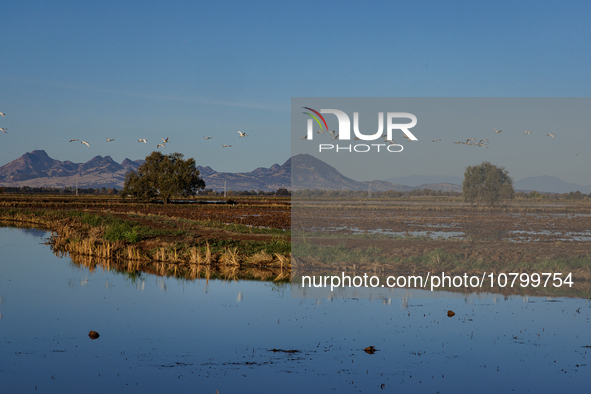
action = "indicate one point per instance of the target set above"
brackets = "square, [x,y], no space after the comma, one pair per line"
[188,69]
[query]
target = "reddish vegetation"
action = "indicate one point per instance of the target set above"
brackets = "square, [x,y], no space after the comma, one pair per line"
[259,213]
[258,216]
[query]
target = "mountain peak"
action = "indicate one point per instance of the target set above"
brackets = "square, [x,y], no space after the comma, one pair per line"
[38,152]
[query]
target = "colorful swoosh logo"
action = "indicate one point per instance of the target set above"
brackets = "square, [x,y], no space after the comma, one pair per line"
[315,118]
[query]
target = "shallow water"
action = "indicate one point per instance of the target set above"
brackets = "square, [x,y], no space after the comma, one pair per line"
[161,334]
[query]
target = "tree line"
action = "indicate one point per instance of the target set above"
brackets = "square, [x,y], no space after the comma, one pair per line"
[62,191]
[71,191]
[387,194]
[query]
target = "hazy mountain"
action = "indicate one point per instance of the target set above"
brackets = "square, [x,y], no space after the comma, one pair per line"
[544,183]
[312,173]
[550,184]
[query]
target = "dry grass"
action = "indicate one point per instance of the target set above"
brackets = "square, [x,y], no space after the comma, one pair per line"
[260,258]
[85,243]
[231,257]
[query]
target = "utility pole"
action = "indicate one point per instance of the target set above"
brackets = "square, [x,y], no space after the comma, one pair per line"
[77,178]
[369,190]
[224,188]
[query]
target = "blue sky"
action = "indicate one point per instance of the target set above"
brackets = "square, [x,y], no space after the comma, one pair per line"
[185,69]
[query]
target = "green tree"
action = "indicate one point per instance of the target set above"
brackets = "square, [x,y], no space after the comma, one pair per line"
[487,184]
[163,176]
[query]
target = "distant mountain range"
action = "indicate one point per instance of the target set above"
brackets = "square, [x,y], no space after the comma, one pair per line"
[266,179]
[312,173]
[550,184]
[36,169]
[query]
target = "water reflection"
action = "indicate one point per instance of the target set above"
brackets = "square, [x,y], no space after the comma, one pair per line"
[163,333]
[134,271]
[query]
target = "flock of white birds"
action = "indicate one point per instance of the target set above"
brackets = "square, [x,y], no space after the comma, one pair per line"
[145,141]
[483,143]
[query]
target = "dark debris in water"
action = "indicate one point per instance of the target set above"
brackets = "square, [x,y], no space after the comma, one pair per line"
[284,351]
[177,364]
[370,350]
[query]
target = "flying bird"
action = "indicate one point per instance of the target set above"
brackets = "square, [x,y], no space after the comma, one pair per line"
[164,140]
[497,131]
[85,143]
[160,145]
[4,130]
[527,132]
[2,113]
[439,139]
[110,139]
[305,137]
[242,134]
[207,138]
[550,135]
[142,140]
[226,146]
[482,140]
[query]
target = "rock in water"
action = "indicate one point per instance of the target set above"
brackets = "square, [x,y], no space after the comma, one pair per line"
[93,335]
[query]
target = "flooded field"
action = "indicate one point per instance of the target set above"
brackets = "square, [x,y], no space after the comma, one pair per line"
[541,224]
[330,237]
[160,333]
